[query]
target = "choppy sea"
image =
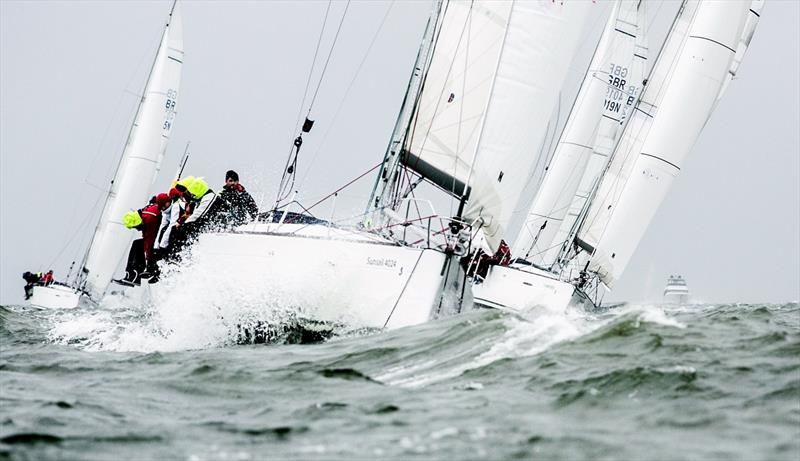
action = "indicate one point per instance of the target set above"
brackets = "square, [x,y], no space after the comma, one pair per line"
[704,381]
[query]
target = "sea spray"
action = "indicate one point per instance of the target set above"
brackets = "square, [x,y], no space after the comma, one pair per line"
[204,301]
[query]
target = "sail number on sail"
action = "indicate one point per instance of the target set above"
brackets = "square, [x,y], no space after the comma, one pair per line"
[617,90]
[169,109]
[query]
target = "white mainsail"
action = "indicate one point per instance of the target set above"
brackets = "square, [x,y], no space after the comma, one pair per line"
[141,159]
[683,91]
[617,171]
[610,87]
[493,81]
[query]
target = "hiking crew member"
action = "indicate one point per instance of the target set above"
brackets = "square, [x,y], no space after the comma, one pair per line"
[478,263]
[243,208]
[31,279]
[169,218]
[141,260]
[204,212]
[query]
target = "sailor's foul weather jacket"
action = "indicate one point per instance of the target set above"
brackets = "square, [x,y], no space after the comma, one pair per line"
[151,221]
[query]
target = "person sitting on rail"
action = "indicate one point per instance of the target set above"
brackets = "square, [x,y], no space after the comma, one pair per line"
[141,259]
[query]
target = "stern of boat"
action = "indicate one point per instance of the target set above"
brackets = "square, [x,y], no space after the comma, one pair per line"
[55,297]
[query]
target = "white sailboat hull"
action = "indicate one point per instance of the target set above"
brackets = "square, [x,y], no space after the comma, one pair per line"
[521,288]
[334,275]
[55,297]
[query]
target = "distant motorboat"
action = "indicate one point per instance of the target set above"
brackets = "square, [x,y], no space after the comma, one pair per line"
[676,291]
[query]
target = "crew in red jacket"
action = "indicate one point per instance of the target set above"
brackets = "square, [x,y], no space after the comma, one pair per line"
[141,260]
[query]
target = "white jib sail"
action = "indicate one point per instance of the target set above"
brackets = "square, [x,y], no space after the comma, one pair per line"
[444,130]
[611,86]
[140,162]
[539,44]
[693,81]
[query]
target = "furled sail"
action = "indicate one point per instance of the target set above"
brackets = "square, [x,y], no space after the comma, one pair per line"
[683,91]
[141,159]
[610,88]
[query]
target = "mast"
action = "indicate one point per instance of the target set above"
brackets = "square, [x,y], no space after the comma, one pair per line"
[386,180]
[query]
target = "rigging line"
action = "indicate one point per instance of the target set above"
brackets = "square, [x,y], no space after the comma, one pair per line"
[328,59]
[284,182]
[655,15]
[414,199]
[343,187]
[346,93]
[313,64]
[460,116]
[77,231]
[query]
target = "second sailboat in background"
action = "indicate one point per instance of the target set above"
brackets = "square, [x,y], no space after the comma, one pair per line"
[699,58]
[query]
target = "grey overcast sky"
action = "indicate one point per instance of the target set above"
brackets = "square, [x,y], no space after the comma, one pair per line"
[70,72]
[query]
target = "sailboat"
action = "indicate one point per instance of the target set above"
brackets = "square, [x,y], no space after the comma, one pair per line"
[597,229]
[484,83]
[137,169]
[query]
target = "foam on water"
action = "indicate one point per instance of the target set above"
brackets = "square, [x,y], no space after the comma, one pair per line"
[526,334]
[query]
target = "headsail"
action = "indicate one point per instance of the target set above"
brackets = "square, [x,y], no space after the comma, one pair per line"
[444,132]
[141,159]
[541,40]
[493,81]
[683,91]
[610,88]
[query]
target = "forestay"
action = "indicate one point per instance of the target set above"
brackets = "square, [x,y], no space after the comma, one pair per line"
[689,76]
[141,159]
[610,88]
